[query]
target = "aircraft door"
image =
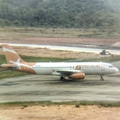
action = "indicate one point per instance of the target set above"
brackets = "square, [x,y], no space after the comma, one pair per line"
[78,67]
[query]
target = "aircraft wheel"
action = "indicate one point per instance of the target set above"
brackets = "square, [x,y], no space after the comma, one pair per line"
[101,78]
[62,78]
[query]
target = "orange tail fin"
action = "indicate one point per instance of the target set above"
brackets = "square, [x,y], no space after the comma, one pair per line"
[10,54]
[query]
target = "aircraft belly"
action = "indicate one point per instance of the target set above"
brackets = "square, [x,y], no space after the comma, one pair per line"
[91,72]
[43,71]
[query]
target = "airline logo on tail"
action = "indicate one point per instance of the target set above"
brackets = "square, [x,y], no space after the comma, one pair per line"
[15,62]
[10,54]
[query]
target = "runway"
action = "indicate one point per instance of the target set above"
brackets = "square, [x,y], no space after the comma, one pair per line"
[50,88]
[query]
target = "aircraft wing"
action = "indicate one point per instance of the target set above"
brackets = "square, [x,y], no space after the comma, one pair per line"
[68,72]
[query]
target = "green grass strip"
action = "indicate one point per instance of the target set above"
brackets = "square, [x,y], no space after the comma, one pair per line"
[48,103]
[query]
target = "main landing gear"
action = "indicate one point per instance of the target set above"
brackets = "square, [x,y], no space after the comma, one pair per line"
[101,78]
[62,78]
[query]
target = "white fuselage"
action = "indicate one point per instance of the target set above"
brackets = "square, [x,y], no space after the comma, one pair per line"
[89,68]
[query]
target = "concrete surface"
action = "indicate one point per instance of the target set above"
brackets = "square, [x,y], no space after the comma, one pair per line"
[44,88]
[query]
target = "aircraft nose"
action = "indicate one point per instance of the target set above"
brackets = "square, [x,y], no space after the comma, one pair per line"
[116,70]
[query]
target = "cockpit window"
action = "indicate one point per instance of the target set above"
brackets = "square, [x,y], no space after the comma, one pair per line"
[110,66]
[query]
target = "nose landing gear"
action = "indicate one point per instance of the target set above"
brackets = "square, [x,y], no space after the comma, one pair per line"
[101,78]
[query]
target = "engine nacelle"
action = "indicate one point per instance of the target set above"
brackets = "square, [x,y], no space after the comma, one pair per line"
[77,76]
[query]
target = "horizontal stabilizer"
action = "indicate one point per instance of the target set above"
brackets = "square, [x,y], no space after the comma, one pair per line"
[9,66]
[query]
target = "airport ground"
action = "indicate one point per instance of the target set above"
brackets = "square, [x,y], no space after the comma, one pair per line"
[42,88]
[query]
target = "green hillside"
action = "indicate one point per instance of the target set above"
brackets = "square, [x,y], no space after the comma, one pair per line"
[60,13]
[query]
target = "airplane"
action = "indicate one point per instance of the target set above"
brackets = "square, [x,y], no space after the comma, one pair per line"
[72,70]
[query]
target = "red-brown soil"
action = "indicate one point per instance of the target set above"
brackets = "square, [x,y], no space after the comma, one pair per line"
[61,112]
[64,41]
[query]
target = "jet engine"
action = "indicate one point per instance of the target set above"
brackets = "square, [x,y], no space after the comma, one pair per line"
[77,76]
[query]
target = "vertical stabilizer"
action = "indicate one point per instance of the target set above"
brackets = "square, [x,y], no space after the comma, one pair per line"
[10,54]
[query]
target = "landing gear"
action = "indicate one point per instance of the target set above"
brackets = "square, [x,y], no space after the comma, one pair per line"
[101,78]
[62,78]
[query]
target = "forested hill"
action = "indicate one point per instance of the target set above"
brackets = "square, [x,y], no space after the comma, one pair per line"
[60,13]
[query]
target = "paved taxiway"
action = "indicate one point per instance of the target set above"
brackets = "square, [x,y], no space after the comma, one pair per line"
[44,88]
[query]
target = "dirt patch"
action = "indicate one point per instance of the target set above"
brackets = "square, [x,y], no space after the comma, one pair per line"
[64,41]
[38,52]
[61,112]
[117,44]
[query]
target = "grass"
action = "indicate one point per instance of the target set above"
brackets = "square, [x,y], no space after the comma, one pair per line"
[49,103]
[2,59]
[19,33]
[104,59]
[10,74]
[35,59]
[43,59]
